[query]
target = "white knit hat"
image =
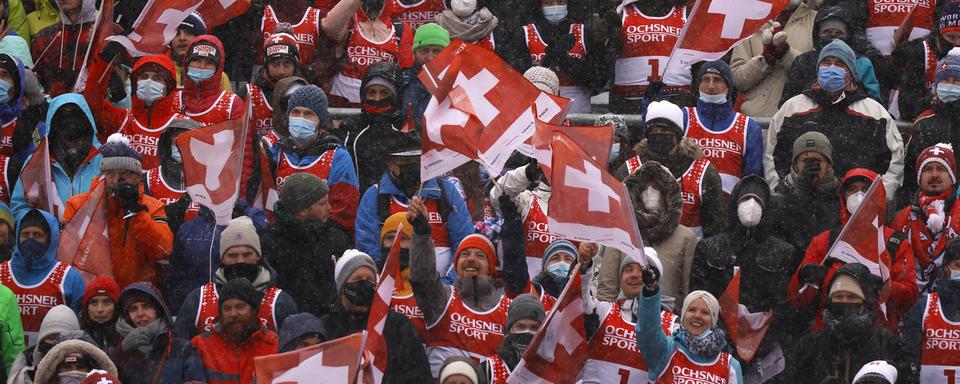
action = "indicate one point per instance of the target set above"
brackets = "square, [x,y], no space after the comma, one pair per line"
[708,298]
[239,231]
[349,262]
[543,78]
[459,368]
[878,368]
[665,110]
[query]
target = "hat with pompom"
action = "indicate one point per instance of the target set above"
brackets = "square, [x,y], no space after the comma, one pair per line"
[119,155]
[938,153]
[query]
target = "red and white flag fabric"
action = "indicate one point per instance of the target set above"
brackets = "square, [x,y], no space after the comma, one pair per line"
[390,282]
[594,140]
[103,29]
[716,26]
[267,193]
[212,165]
[38,187]
[862,240]
[156,26]
[560,344]
[589,204]
[335,361]
[745,328]
[481,109]
[84,242]
[218,12]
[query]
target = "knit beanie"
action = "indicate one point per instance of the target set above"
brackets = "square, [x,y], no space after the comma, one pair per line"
[651,256]
[431,34]
[839,49]
[525,307]
[877,369]
[297,327]
[383,83]
[119,155]
[6,216]
[301,190]
[101,286]
[833,23]
[204,49]
[665,114]
[711,301]
[349,262]
[949,17]
[33,218]
[948,66]
[480,242]
[720,68]
[239,232]
[193,25]
[58,320]
[240,289]
[544,79]
[938,153]
[390,225]
[312,98]
[813,142]
[281,45]
[846,283]
[559,246]
[460,365]
[99,376]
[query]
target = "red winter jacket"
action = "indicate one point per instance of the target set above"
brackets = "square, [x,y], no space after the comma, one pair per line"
[228,361]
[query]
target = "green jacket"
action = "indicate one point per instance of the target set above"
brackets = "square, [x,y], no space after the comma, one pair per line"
[17,19]
[35,14]
[11,340]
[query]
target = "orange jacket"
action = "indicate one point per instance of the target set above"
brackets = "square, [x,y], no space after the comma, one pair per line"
[228,361]
[137,243]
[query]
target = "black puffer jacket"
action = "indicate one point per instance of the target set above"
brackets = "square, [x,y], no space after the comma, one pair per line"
[912,61]
[406,358]
[805,210]
[765,262]
[939,124]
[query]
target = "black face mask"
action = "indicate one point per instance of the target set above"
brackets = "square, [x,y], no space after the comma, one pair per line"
[380,110]
[359,293]
[404,256]
[661,144]
[409,177]
[513,347]
[246,271]
[849,322]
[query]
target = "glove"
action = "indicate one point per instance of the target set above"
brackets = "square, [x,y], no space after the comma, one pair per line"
[650,278]
[532,172]
[810,171]
[774,43]
[118,90]
[129,198]
[420,225]
[653,90]
[111,51]
[508,208]
[812,274]
[139,339]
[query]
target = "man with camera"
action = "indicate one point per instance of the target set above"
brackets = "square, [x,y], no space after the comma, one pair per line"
[136,223]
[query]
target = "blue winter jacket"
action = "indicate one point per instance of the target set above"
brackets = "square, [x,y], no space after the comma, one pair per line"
[86,172]
[719,117]
[73,285]
[656,347]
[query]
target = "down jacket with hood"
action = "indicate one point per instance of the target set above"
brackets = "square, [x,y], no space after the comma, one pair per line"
[59,49]
[199,98]
[68,184]
[47,368]
[172,360]
[765,261]
[14,108]
[903,286]
[59,319]
[30,273]
[661,229]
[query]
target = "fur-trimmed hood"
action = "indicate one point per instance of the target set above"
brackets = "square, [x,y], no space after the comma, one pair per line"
[47,368]
[657,226]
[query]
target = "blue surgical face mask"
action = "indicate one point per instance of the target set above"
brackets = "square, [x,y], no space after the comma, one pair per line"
[719,98]
[555,13]
[948,93]
[302,129]
[832,78]
[175,154]
[149,90]
[198,74]
[559,270]
[5,91]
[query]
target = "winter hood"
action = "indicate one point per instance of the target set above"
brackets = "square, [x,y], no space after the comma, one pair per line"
[10,111]
[47,368]
[847,179]
[149,290]
[49,259]
[295,327]
[199,96]
[17,47]
[88,13]
[62,100]
[752,185]
[833,11]
[655,226]
[391,73]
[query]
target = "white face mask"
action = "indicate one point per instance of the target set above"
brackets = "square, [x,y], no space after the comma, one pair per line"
[650,198]
[854,201]
[749,213]
[73,377]
[463,8]
[954,274]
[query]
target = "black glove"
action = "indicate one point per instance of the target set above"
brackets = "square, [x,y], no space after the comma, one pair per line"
[812,274]
[421,225]
[111,51]
[651,278]
[129,198]
[118,90]
[533,172]
[508,208]
[652,92]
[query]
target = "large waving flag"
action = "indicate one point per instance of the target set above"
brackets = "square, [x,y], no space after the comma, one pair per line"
[336,361]
[389,283]
[156,26]
[218,12]
[594,140]
[862,240]
[84,243]
[746,329]
[38,187]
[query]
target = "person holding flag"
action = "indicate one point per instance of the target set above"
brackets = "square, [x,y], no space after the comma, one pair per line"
[936,311]
[165,182]
[808,286]
[356,277]
[527,187]
[524,319]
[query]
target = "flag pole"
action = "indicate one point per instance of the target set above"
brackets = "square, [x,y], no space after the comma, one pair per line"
[683,33]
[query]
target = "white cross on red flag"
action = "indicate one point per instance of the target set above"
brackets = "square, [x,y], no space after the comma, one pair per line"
[212,164]
[588,203]
[335,361]
[716,26]
[389,283]
[594,140]
[481,109]
[218,12]
[560,344]
[84,242]
[156,26]
[39,190]
[745,328]
[862,240]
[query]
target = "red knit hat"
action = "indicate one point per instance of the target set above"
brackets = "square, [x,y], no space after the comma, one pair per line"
[480,242]
[102,286]
[939,153]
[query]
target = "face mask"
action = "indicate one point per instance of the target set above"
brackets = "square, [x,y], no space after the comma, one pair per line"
[32,250]
[377,110]
[71,377]
[614,152]
[149,90]
[409,178]
[954,275]
[463,8]
[404,256]
[650,198]
[175,154]
[832,78]
[5,91]
[199,74]
[559,270]
[555,13]
[514,346]
[854,200]
[719,98]
[246,271]
[660,144]
[359,293]
[302,129]
[948,93]
[749,213]
[824,41]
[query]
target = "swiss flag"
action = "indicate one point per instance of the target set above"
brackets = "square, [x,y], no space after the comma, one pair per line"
[560,344]
[212,164]
[157,25]
[38,187]
[594,140]
[588,203]
[267,193]
[389,283]
[481,109]
[84,243]
[745,328]
[716,26]
[862,239]
[336,361]
[103,29]
[218,12]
